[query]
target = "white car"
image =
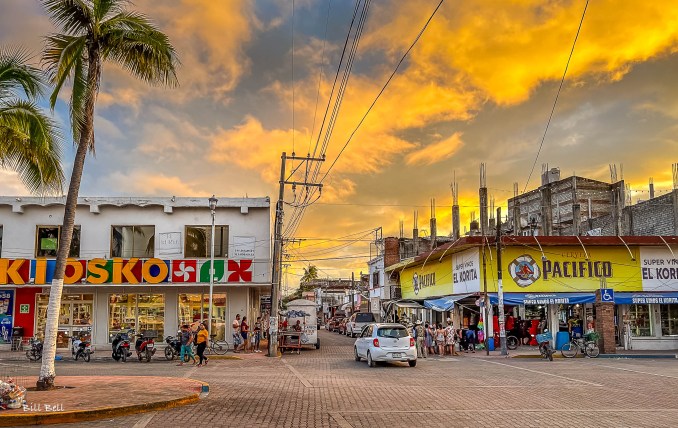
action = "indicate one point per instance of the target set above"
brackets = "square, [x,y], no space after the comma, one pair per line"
[385,342]
[357,321]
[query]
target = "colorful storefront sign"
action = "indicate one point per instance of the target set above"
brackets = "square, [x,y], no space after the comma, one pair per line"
[125,271]
[431,280]
[466,273]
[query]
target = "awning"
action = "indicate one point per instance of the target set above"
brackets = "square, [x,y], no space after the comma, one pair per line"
[408,304]
[444,303]
[646,298]
[544,298]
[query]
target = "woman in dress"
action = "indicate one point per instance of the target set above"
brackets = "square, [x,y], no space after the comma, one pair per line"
[428,339]
[440,340]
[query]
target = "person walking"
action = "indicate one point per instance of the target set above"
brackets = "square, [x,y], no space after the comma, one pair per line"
[419,333]
[440,340]
[257,335]
[201,341]
[450,341]
[237,338]
[244,331]
[428,339]
[186,342]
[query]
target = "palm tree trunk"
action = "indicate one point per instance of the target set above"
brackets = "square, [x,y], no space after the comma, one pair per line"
[47,372]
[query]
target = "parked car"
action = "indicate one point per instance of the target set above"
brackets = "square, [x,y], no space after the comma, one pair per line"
[385,342]
[341,328]
[357,321]
[333,323]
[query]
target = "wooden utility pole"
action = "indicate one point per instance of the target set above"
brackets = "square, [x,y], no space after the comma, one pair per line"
[352,293]
[278,248]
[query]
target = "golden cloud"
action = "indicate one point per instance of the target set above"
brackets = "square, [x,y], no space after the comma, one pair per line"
[436,152]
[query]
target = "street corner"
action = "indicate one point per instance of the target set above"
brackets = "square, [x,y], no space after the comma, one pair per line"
[85,398]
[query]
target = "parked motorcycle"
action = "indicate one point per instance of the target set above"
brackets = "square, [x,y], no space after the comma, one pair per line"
[173,348]
[81,348]
[145,347]
[35,353]
[121,346]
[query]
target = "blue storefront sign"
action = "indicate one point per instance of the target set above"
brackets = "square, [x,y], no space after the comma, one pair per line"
[515,299]
[670,297]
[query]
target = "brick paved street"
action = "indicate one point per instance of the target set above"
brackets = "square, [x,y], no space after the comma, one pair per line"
[326,388]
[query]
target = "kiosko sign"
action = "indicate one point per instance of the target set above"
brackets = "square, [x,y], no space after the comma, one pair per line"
[124,271]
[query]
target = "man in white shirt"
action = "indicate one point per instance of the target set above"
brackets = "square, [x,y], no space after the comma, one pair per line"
[237,338]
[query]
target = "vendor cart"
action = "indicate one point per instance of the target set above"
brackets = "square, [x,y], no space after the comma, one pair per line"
[303,311]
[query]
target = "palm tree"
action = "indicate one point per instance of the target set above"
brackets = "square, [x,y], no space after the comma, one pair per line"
[310,274]
[29,142]
[93,31]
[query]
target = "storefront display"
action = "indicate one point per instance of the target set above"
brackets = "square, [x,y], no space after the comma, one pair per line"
[75,317]
[195,307]
[139,312]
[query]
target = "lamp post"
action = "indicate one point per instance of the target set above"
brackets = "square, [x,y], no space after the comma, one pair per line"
[213,206]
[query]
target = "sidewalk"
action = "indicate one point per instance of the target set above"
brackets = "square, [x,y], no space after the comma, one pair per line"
[83,398]
[533,352]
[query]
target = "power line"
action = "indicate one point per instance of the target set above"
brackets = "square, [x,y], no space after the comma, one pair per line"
[553,109]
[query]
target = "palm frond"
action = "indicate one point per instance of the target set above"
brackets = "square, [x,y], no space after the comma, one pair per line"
[132,41]
[72,16]
[62,54]
[105,8]
[31,145]
[15,74]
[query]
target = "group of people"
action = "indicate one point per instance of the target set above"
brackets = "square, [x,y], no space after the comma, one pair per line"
[188,337]
[433,339]
[244,338]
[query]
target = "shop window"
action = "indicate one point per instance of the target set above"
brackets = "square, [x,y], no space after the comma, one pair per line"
[375,280]
[139,312]
[132,241]
[198,241]
[75,317]
[193,307]
[640,318]
[669,319]
[47,241]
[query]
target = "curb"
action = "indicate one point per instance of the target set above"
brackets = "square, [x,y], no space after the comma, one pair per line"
[639,356]
[45,418]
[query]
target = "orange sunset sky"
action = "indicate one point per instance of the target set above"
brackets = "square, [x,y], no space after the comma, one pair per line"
[478,87]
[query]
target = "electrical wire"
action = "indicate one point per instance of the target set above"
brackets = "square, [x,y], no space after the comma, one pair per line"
[555,102]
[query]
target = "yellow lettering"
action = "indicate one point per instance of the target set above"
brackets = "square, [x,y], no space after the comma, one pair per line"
[10,272]
[122,269]
[146,271]
[40,271]
[97,273]
[78,271]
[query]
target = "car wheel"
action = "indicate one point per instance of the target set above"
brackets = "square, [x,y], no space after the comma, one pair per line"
[370,361]
[355,354]
[412,363]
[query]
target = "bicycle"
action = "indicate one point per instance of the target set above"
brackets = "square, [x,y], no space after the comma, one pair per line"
[587,346]
[218,347]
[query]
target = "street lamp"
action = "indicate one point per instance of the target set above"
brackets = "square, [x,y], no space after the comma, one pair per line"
[213,207]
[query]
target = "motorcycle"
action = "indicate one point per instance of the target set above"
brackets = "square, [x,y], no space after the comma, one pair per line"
[173,348]
[145,347]
[544,341]
[35,353]
[81,348]
[121,346]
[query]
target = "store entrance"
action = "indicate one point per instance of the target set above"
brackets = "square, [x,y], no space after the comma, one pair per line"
[75,317]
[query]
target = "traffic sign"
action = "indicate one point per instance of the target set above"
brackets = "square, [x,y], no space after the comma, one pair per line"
[607,295]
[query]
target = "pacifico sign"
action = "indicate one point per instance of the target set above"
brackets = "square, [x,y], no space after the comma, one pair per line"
[124,271]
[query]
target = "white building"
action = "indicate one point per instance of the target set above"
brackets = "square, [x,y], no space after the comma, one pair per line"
[139,263]
[379,290]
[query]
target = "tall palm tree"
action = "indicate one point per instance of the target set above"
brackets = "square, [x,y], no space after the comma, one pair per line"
[92,32]
[29,142]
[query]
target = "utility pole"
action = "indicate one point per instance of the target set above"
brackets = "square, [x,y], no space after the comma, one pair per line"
[276,271]
[486,311]
[352,292]
[500,289]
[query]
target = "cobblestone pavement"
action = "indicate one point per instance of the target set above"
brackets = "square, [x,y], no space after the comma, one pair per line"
[327,388]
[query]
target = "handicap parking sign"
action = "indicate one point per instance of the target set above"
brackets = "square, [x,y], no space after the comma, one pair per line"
[607,295]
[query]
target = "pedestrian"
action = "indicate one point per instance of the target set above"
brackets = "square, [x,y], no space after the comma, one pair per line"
[257,334]
[450,341]
[420,334]
[428,339]
[201,340]
[186,342]
[440,340]
[237,338]
[244,331]
[471,340]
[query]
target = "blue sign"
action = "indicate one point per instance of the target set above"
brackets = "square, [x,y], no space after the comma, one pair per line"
[607,295]
[514,299]
[5,328]
[644,298]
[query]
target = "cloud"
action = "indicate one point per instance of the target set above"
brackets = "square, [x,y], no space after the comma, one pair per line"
[436,152]
[138,182]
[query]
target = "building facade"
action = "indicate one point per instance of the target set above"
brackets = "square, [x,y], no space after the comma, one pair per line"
[135,263]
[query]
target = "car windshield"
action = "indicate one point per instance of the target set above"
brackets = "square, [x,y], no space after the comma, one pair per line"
[364,317]
[395,332]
